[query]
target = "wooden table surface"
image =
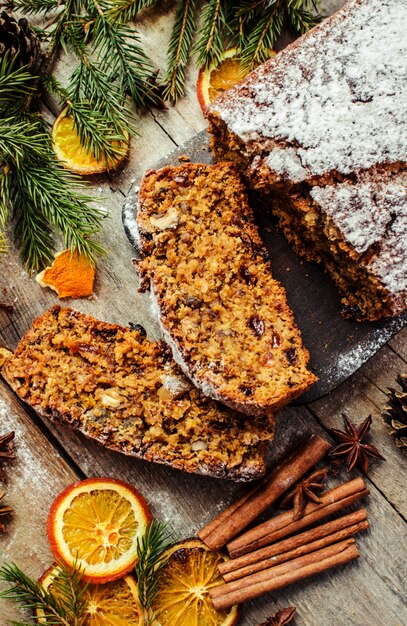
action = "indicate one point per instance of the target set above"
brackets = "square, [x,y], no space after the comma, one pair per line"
[369,592]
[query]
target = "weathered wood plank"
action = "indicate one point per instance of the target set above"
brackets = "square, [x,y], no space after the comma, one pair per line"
[186,502]
[34,479]
[362,395]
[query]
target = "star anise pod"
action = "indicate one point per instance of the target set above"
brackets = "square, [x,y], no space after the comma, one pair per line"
[5,511]
[281,618]
[6,451]
[304,492]
[352,448]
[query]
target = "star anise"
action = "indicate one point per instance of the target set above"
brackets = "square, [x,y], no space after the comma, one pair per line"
[5,511]
[304,492]
[6,451]
[281,618]
[352,448]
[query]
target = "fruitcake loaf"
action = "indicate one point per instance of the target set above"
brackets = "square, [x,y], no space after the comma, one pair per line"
[311,124]
[114,385]
[225,317]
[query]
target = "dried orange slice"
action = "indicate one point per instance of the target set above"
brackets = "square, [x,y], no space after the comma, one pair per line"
[70,275]
[115,603]
[183,584]
[98,522]
[73,156]
[219,77]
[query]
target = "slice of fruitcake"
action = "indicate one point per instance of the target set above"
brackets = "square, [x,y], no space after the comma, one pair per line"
[114,385]
[225,317]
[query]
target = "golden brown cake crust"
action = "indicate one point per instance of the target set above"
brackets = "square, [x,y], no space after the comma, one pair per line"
[117,387]
[221,311]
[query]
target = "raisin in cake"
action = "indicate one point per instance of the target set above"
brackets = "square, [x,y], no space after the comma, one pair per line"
[221,311]
[320,132]
[115,386]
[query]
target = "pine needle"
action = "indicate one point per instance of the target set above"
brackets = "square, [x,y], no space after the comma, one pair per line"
[124,11]
[150,561]
[211,38]
[179,49]
[63,604]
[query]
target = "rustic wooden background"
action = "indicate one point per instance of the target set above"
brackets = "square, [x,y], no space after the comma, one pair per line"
[370,592]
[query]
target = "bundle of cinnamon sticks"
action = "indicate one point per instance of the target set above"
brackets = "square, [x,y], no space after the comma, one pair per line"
[275,554]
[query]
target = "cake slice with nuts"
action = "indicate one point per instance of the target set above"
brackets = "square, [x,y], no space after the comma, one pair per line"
[225,317]
[114,385]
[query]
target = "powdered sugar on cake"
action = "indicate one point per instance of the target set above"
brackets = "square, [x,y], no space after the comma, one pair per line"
[372,214]
[335,102]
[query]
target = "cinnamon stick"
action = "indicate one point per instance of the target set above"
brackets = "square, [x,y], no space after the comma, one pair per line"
[235,518]
[283,525]
[296,546]
[249,587]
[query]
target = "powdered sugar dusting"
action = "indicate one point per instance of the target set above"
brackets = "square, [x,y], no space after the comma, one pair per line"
[338,98]
[370,214]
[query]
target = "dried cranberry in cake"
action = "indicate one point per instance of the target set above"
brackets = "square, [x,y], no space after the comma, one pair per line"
[222,312]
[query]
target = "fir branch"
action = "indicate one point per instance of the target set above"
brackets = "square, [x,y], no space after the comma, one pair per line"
[4,205]
[47,194]
[119,51]
[33,7]
[15,84]
[303,15]
[123,11]
[62,605]
[150,561]
[178,50]
[211,40]
[261,39]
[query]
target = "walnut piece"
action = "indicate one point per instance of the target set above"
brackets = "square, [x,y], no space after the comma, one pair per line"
[109,397]
[166,221]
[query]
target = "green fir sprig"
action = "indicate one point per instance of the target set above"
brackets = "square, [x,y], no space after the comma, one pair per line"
[63,603]
[36,194]
[179,49]
[151,559]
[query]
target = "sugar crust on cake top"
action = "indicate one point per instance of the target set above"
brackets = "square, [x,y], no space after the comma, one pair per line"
[336,102]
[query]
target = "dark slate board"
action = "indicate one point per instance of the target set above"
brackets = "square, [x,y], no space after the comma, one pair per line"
[338,347]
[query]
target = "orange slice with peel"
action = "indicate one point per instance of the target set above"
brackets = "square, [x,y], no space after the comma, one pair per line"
[183,584]
[70,275]
[219,77]
[75,157]
[97,523]
[115,603]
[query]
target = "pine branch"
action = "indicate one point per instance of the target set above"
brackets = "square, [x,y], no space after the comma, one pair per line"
[261,39]
[119,51]
[49,195]
[39,195]
[123,11]
[150,561]
[15,84]
[302,15]
[211,41]
[61,605]
[33,7]
[178,50]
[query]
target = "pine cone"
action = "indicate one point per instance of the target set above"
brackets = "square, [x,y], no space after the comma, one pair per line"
[395,413]
[18,38]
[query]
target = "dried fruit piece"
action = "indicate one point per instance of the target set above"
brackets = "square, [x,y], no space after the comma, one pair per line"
[220,76]
[73,156]
[183,584]
[114,603]
[70,275]
[98,522]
